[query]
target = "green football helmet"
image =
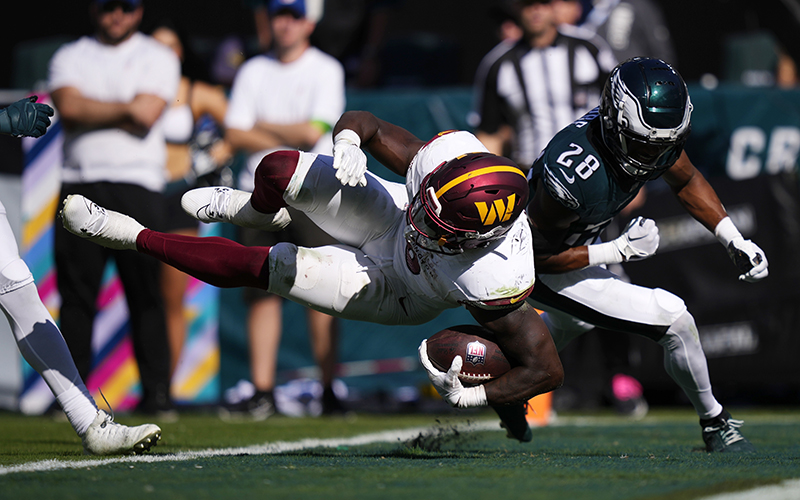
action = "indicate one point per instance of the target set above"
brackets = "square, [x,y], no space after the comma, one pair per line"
[646,117]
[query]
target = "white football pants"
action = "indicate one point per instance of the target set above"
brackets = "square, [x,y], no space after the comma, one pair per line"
[577,301]
[356,280]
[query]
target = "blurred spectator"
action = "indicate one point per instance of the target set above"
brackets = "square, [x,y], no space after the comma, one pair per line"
[288,98]
[757,59]
[35,331]
[196,150]
[632,28]
[263,25]
[568,12]
[552,76]
[508,33]
[354,32]
[111,91]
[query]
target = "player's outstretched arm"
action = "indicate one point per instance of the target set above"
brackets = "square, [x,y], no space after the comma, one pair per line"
[525,340]
[25,117]
[697,196]
[391,145]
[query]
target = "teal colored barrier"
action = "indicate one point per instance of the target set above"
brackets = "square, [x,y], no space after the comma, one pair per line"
[741,132]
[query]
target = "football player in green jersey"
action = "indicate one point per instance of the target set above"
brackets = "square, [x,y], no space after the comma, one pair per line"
[587,174]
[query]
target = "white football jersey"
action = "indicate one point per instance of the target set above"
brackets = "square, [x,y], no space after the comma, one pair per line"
[375,275]
[498,275]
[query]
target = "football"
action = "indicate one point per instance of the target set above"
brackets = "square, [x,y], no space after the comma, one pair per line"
[483,359]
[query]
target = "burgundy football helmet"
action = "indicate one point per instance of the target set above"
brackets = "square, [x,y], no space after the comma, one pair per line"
[466,203]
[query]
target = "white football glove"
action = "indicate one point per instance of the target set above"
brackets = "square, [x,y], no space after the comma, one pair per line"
[349,160]
[639,240]
[746,255]
[749,258]
[449,386]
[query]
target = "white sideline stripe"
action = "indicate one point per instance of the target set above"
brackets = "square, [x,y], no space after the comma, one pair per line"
[787,490]
[263,449]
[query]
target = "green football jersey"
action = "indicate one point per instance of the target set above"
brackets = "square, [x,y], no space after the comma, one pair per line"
[575,170]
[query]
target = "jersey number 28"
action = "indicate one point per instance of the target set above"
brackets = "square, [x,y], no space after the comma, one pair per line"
[584,168]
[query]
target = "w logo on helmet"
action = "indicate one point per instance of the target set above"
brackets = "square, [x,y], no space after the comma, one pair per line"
[498,211]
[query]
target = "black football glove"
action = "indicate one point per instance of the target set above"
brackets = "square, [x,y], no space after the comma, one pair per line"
[25,117]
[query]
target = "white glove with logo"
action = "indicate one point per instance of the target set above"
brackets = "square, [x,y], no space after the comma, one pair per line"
[349,160]
[639,240]
[449,386]
[749,258]
[746,255]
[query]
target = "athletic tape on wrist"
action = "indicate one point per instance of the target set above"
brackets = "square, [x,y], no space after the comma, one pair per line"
[604,253]
[473,397]
[348,136]
[726,231]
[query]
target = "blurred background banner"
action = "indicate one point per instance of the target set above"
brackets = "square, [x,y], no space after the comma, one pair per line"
[741,132]
[748,332]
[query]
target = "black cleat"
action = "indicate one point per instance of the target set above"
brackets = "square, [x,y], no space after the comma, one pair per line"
[513,418]
[721,434]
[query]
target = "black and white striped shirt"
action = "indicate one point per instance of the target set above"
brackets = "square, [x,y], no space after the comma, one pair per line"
[539,91]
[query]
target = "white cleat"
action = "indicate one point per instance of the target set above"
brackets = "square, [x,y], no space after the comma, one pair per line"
[85,218]
[224,204]
[106,437]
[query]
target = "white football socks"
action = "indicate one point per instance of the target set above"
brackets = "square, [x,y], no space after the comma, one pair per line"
[41,344]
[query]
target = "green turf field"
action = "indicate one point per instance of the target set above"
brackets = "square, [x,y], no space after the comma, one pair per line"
[453,456]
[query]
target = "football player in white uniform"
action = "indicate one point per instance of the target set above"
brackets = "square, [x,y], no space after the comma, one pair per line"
[453,235]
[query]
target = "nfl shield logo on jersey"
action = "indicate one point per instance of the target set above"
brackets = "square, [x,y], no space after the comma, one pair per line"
[476,353]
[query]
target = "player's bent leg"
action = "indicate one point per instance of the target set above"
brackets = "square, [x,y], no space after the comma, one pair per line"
[596,296]
[42,346]
[224,204]
[685,362]
[307,182]
[214,260]
[217,261]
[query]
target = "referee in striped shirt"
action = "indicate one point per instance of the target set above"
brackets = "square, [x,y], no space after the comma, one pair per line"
[544,82]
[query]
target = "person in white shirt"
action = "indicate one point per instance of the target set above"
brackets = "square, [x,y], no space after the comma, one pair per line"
[287,98]
[35,331]
[110,90]
[196,152]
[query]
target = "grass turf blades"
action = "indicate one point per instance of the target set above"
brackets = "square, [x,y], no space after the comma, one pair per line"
[598,457]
